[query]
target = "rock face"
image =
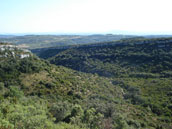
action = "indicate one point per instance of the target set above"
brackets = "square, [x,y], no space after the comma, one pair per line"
[24,56]
[9,50]
[4,47]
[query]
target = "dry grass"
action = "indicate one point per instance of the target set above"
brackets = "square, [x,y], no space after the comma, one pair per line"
[32,79]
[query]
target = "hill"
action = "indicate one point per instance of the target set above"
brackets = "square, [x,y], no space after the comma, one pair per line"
[42,41]
[121,58]
[6,36]
[37,94]
[143,67]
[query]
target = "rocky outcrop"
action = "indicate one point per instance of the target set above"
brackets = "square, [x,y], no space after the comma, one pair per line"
[9,50]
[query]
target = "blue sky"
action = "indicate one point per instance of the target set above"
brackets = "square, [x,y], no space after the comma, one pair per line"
[86,16]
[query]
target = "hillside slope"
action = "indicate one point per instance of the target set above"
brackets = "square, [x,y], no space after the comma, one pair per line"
[36,94]
[122,58]
[141,67]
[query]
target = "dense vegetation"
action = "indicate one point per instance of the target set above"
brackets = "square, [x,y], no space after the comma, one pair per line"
[35,94]
[143,67]
[42,41]
[129,57]
[123,85]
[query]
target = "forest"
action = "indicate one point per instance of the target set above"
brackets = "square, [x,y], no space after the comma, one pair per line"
[124,84]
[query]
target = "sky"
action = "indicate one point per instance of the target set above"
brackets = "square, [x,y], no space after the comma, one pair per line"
[86,16]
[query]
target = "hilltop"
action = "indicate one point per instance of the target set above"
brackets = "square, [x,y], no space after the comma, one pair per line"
[9,50]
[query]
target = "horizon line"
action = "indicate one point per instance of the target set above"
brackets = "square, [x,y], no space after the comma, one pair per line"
[91,33]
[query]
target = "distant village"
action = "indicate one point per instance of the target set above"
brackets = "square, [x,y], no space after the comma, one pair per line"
[5,48]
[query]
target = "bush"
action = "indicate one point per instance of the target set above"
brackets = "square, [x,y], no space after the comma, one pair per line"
[60,110]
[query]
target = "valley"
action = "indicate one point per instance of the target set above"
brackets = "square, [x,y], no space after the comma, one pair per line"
[123,84]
